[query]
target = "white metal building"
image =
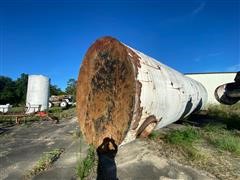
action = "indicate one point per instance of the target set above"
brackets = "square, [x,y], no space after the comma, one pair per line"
[211,81]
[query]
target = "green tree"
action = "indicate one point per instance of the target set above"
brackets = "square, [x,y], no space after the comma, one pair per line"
[54,90]
[71,88]
[21,88]
[7,90]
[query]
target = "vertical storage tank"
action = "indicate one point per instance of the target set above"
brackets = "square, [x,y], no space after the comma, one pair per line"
[37,93]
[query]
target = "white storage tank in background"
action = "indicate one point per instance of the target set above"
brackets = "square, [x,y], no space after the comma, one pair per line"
[37,93]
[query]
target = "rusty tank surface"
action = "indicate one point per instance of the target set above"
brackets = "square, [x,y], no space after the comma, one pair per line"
[124,94]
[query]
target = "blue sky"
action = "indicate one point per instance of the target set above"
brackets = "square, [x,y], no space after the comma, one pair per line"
[51,37]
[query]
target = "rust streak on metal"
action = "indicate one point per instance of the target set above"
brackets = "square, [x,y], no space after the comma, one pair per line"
[147,126]
[106,92]
[135,59]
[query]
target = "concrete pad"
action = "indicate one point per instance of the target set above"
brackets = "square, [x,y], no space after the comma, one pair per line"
[65,167]
[22,146]
[137,160]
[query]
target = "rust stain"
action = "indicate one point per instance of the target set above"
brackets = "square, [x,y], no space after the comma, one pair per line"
[106,91]
[139,109]
[135,59]
[143,130]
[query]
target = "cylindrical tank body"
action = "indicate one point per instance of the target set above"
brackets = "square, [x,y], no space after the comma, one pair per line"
[123,94]
[229,93]
[37,93]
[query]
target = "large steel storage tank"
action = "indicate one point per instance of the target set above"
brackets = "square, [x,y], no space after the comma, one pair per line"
[37,93]
[123,94]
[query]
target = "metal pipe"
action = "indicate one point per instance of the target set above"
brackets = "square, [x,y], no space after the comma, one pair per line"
[123,93]
[229,93]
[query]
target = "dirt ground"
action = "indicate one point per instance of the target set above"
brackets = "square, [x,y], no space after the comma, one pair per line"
[21,146]
[138,160]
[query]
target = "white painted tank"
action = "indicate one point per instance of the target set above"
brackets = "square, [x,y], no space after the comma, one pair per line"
[124,94]
[166,96]
[37,93]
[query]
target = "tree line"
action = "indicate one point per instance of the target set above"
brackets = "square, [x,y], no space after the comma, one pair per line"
[14,91]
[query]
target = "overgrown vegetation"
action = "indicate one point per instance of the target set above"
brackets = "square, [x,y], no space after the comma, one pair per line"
[209,140]
[57,112]
[45,162]
[85,166]
[215,134]
[63,113]
[229,115]
[221,138]
[12,119]
[184,136]
[155,135]
[184,139]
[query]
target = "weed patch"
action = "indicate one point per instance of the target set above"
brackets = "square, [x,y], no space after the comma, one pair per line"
[228,143]
[184,136]
[229,115]
[45,161]
[184,140]
[222,138]
[60,113]
[85,166]
[154,135]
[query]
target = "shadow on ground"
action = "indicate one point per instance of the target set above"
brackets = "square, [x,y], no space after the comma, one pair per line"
[202,119]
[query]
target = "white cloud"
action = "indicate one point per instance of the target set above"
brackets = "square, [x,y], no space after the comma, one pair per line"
[199,8]
[188,15]
[234,68]
[215,54]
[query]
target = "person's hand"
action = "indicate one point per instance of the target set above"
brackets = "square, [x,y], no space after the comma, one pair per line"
[104,147]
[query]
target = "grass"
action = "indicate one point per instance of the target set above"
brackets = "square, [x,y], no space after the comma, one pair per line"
[227,143]
[63,113]
[85,166]
[184,136]
[222,134]
[45,161]
[212,143]
[221,138]
[11,119]
[216,134]
[155,135]
[16,110]
[229,115]
[54,111]
[184,139]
